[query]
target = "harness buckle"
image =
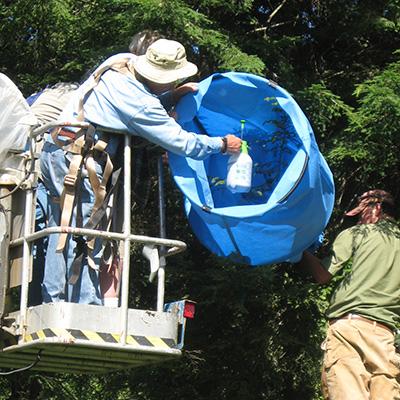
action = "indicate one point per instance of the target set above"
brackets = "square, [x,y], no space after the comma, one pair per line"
[70,180]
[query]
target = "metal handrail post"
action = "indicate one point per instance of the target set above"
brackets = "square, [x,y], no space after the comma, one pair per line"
[26,262]
[163,234]
[127,231]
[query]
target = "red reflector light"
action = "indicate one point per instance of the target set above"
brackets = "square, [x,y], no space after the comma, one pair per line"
[188,311]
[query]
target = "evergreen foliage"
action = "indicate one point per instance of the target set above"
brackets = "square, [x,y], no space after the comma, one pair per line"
[257,332]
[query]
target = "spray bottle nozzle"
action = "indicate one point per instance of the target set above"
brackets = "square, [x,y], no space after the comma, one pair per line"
[242,122]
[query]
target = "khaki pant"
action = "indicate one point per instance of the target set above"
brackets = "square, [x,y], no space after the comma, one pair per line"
[360,362]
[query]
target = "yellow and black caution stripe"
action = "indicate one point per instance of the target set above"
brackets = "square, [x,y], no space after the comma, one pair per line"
[70,335]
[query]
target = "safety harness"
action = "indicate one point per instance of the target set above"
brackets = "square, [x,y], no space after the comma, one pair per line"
[86,152]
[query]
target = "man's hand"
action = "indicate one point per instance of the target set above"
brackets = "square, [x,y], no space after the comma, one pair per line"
[233,144]
[180,91]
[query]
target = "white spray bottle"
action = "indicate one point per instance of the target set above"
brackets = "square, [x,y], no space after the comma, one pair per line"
[240,168]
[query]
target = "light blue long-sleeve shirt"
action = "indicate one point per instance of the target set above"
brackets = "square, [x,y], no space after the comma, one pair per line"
[121,102]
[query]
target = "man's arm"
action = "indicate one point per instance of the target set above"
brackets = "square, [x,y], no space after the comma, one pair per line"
[313,265]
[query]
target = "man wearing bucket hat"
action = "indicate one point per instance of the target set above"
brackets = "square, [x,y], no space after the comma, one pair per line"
[136,96]
[360,360]
[128,93]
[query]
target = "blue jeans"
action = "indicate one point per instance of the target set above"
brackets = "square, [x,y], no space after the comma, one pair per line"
[54,165]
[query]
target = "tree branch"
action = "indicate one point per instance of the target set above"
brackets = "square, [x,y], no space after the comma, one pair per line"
[275,11]
[264,28]
[272,15]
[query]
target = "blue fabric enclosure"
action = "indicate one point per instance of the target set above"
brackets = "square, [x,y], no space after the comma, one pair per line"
[292,192]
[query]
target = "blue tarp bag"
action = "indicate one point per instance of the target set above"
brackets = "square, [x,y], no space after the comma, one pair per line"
[292,192]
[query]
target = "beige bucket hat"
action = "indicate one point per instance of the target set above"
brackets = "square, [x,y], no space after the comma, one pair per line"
[165,62]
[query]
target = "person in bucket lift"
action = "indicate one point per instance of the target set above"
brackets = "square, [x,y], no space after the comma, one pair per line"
[360,360]
[47,105]
[126,93]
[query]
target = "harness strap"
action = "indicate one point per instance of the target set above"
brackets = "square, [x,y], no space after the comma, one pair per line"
[99,190]
[70,183]
[98,215]
[85,151]
[122,65]
[68,197]
[117,222]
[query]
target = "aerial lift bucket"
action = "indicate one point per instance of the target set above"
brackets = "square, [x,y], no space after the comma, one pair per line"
[79,338]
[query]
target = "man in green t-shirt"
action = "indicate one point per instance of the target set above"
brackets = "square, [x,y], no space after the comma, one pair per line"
[360,359]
